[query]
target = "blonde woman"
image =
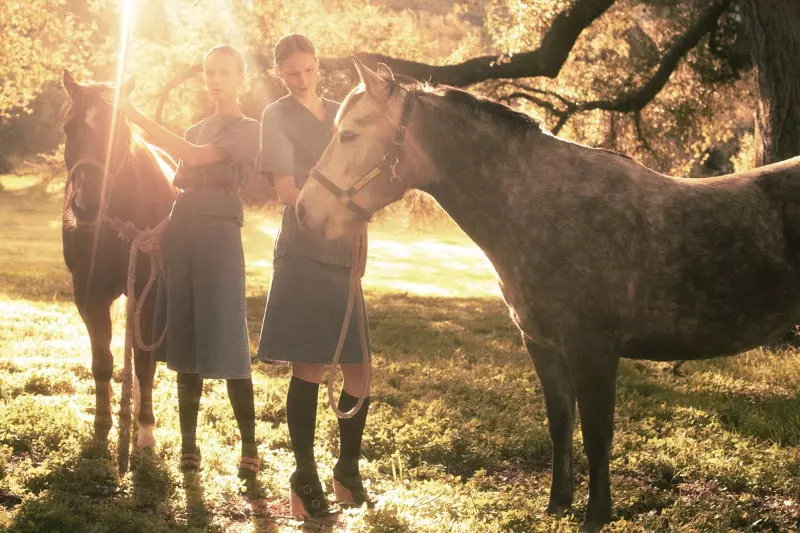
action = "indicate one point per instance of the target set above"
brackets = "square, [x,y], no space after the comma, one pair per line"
[204,260]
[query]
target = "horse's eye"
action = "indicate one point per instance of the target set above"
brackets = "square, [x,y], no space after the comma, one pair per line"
[347,136]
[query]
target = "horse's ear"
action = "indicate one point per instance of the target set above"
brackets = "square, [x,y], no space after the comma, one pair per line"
[128,87]
[385,72]
[376,86]
[71,85]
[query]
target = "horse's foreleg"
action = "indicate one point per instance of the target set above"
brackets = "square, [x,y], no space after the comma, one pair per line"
[594,376]
[145,371]
[560,400]
[96,314]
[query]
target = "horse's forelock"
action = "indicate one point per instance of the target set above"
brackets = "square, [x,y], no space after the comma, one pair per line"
[359,93]
[350,100]
[88,94]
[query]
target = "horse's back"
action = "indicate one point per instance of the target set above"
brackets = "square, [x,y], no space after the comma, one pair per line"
[661,267]
[722,269]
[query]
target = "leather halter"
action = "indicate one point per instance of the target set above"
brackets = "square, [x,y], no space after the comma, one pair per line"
[387,166]
[101,215]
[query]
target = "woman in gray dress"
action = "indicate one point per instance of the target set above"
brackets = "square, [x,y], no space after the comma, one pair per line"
[308,295]
[203,256]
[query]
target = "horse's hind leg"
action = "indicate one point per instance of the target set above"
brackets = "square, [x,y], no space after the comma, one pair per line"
[560,400]
[145,371]
[96,314]
[594,375]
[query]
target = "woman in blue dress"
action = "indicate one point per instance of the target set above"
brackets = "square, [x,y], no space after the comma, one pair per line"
[203,256]
[308,295]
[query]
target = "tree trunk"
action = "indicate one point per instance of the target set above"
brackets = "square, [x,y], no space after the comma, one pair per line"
[775,28]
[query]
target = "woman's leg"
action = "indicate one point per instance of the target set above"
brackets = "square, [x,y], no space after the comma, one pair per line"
[301,412]
[307,498]
[240,392]
[351,430]
[190,388]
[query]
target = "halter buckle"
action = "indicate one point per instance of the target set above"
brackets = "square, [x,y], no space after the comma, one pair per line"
[391,161]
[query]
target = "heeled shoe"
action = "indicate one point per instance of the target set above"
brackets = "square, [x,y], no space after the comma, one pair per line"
[190,462]
[307,499]
[348,489]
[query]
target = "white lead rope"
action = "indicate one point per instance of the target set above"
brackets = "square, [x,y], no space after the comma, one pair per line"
[357,267]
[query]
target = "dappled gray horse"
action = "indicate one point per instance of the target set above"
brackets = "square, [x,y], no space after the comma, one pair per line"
[598,257]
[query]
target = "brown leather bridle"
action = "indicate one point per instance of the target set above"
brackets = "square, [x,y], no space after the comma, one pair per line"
[109,181]
[387,166]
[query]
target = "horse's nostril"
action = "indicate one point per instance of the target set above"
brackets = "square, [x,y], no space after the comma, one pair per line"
[301,212]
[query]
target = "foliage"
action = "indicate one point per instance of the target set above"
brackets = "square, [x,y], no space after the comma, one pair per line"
[706,104]
[694,113]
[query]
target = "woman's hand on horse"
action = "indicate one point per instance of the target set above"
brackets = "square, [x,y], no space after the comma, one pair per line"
[124,105]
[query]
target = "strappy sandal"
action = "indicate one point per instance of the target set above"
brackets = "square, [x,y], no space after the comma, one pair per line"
[248,472]
[249,467]
[348,489]
[190,462]
[307,499]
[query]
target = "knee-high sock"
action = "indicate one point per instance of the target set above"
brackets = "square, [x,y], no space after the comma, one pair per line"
[351,430]
[240,392]
[190,388]
[301,415]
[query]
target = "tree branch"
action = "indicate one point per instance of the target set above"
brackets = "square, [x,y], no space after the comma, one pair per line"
[635,101]
[259,59]
[546,60]
[170,85]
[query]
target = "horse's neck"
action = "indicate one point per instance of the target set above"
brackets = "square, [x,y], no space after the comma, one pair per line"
[482,174]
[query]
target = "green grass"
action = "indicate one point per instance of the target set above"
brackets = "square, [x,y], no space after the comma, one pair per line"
[457,436]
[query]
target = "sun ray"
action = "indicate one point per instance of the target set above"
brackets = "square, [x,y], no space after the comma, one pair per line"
[128,15]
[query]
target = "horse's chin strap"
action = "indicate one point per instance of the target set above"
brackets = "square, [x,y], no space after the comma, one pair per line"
[387,166]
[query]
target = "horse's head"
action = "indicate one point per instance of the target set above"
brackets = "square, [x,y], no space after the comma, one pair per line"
[88,132]
[371,161]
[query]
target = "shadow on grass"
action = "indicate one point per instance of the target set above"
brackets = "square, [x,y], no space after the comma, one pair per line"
[771,419]
[196,513]
[85,494]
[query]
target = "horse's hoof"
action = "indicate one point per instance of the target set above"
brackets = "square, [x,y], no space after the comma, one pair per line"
[591,527]
[593,524]
[558,509]
[145,437]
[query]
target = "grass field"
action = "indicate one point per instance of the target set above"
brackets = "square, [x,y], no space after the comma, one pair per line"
[457,436]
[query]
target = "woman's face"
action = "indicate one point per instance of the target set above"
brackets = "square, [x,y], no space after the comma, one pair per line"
[223,77]
[299,73]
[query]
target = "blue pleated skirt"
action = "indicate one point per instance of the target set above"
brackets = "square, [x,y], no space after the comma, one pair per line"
[205,292]
[305,309]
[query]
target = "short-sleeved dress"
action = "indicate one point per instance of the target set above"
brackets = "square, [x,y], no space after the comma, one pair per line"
[204,259]
[311,276]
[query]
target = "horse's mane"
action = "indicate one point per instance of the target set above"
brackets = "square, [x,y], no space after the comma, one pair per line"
[479,106]
[483,108]
[159,156]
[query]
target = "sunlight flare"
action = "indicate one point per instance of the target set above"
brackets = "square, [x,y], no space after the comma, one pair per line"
[128,15]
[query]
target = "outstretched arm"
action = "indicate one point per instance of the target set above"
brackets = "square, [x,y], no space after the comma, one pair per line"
[191,154]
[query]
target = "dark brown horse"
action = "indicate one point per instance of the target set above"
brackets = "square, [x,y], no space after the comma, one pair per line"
[598,257]
[135,189]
